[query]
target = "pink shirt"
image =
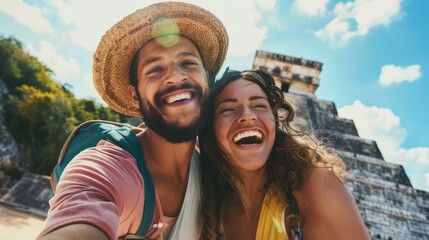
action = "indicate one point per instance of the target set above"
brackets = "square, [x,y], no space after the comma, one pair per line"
[102,187]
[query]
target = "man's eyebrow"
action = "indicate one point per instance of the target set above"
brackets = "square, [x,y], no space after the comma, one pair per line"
[189,53]
[151,60]
[181,54]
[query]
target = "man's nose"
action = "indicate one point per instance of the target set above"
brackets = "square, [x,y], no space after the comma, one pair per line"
[176,75]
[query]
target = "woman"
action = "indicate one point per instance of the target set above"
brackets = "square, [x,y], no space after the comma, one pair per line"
[258,171]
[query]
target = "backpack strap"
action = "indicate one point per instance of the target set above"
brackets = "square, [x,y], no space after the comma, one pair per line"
[91,132]
[293,205]
[133,146]
[294,210]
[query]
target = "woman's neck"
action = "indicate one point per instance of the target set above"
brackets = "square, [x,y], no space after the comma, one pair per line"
[246,208]
[250,189]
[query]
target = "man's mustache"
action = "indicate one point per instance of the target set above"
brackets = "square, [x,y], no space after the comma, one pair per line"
[158,96]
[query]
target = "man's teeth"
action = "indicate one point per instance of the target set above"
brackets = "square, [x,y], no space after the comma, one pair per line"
[178,97]
[245,134]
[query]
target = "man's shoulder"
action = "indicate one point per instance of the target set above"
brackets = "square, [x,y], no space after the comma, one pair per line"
[107,146]
[106,152]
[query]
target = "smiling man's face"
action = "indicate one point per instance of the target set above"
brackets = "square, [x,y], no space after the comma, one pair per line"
[172,82]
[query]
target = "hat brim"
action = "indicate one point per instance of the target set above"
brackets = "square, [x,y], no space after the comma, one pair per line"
[112,59]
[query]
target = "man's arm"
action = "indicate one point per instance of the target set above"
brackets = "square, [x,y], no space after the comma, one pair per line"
[75,231]
[98,190]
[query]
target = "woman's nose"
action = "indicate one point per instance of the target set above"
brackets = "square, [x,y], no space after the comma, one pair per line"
[246,116]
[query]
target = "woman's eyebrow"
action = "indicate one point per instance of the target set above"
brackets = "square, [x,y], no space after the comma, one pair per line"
[233,100]
[258,97]
[225,101]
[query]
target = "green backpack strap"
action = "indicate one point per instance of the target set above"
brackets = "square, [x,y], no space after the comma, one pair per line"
[87,135]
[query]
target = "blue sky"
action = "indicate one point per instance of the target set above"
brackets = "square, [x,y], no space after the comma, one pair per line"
[375,55]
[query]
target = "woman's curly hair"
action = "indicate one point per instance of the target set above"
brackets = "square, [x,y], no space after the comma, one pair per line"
[293,152]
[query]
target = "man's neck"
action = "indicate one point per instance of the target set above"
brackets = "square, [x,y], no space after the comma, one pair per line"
[165,157]
[169,165]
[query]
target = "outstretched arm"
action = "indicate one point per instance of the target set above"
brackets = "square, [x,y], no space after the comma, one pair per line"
[328,208]
[98,190]
[75,231]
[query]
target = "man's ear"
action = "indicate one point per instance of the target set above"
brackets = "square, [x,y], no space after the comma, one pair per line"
[208,80]
[134,97]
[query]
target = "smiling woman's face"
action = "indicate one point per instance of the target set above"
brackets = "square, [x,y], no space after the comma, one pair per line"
[244,125]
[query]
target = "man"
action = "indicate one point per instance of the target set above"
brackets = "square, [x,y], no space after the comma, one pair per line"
[156,64]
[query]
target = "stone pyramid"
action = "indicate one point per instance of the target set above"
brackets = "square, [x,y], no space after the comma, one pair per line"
[390,207]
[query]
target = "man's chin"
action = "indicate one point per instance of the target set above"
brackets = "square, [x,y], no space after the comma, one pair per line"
[174,133]
[179,129]
[181,120]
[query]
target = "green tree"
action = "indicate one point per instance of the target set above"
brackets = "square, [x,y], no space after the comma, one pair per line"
[40,112]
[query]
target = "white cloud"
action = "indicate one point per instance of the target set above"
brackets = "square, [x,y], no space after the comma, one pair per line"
[391,74]
[427,179]
[421,180]
[383,126]
[240,17]
[91,89]
[311,7]
[358,18]
[334,29]
[379,124]
[419,155]
[61,66]
[265,4]
[27,15]
[88,25]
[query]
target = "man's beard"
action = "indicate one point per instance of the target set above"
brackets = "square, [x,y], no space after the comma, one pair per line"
[171,131]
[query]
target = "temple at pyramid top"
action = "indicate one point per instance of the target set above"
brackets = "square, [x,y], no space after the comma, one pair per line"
[292,74]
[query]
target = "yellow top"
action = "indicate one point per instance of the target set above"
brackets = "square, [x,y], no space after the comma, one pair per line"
[271,221]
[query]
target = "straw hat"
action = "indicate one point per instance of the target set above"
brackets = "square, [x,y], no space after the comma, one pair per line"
[112,59]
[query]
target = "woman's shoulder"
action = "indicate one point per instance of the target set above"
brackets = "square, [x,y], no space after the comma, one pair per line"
[321,177]
[326,204]
[321,188]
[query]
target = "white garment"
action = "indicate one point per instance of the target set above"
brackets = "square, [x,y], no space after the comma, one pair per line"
[188,225]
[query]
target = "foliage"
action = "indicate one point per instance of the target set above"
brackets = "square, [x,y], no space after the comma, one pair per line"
[38,111]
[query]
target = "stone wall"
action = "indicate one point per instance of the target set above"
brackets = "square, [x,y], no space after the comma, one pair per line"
[8,147]
[31,193]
